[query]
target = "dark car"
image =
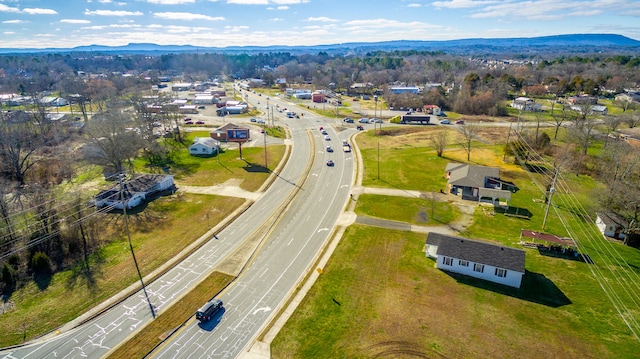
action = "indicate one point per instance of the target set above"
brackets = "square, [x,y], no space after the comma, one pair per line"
[330,163]
[329,149]
[360,128]
[205,313]
[189,123]
[199,122]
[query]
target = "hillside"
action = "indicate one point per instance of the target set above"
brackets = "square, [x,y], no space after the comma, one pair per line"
[572,43]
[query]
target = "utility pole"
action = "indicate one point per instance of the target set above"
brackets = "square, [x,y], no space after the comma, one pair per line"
[378,158]
[548,196]
[265,150]
[126,222]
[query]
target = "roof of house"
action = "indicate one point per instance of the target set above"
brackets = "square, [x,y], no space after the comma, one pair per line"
[565,241]
[469,175]
[477,251]
[140,183]
[229,126]
[206,141]
[494,193]
[609,218]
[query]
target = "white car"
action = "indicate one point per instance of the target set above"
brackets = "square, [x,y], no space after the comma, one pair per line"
[363,120]
[327,138]
[445,122]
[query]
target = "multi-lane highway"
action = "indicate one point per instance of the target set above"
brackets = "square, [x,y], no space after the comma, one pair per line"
[299,210]
[289,251]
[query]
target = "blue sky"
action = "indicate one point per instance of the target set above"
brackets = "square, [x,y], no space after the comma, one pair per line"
[70,23]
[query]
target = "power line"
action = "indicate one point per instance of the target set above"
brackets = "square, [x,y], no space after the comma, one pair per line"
[610,261]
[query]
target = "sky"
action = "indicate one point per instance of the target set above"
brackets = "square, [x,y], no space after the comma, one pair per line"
[222,23]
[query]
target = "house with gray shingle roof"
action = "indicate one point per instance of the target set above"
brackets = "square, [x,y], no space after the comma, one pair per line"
[478,259]
[478,183]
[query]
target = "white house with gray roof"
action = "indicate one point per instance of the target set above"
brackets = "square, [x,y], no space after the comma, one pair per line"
[478,183]
[483,260]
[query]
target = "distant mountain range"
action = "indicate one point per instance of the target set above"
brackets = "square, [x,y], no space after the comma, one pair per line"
[582,43]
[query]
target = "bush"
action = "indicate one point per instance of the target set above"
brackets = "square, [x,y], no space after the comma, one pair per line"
[40,263]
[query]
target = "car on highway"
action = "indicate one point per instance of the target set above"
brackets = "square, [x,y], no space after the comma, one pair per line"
[330,163]
[329,149]
[327,138]
[363,120]
[375,120]
[324,132]
[360,128]
[460,122]
[205,312]
[321,128]
[199,122]
[253,120]
[189,123]
[348,120]
[445,122]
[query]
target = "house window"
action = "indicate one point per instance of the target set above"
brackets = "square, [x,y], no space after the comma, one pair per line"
[478,267]
[501,272]
[447,261]
[463,263]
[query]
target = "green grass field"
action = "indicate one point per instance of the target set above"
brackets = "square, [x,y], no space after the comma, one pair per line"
[380,297]
[419,211]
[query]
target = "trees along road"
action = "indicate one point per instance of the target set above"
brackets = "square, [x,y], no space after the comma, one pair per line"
[314,194]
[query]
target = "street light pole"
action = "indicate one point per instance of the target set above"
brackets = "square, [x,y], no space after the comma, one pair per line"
[135,261]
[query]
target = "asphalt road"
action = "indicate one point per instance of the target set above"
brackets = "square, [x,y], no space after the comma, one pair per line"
[294,240]
[292,246]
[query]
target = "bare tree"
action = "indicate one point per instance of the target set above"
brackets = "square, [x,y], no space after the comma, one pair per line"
[20,139]
[439,141]
[113,141]
[469,133]
[559,119]
[611,123]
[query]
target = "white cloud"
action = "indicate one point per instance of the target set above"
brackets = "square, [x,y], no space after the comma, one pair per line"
[13,22]
[38,11]
[535,10]
[75,21]
[9,33]
[171,2]
[186,16]
[282,7]
[276,19]
[386,24]
[462,4]
[248,2]
[321,19]
[230,29]
[290,2]
[112,13]
[112,26]
[414,5]
[5,8]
